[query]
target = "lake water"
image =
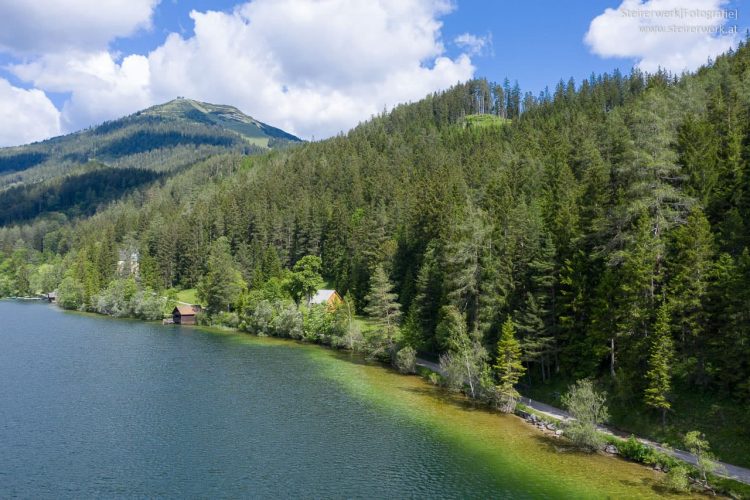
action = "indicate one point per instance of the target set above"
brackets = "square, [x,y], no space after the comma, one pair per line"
[96,407]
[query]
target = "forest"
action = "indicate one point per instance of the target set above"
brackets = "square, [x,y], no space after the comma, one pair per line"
[604,222]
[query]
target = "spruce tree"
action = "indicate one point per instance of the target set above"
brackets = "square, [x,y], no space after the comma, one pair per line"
[383,307]
[508,366]
[659,374]
[690,268]
[222,285]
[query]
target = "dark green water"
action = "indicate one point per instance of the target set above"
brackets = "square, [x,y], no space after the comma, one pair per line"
[95,407]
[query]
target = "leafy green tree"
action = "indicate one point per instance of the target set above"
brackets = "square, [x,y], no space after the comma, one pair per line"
[588,409]
[222,284]
[698,445]
[659,374]
[677,479]
[305,279]
[406,360]
[508,366]
[70,293]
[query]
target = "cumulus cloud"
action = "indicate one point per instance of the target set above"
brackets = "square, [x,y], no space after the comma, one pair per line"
[42,26]
[473,44]
[677,35]
[313,68]
[25,115]
[101,88]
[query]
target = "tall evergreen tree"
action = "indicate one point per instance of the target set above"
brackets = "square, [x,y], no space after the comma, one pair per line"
[659,372]
[508,366]
[222,285]
[383,307]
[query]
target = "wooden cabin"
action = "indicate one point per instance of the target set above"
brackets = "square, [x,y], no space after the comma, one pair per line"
[330,298]
[184,315]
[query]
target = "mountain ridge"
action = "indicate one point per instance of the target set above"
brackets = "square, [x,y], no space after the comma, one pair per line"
[162,137]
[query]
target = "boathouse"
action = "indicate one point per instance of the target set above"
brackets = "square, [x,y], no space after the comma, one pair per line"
[184,315]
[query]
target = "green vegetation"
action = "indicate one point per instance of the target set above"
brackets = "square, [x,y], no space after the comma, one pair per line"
[608,220]
[188,296]
[588,408]
[485,120]
[509,367]
[161,140]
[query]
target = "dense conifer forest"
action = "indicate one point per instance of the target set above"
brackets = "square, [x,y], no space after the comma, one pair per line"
[605,221]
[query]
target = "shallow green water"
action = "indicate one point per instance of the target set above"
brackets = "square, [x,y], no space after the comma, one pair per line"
[94,407]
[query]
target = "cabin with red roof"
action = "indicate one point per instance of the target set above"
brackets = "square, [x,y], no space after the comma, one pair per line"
[184,314]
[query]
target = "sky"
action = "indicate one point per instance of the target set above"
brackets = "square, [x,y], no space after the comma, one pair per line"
[318,67]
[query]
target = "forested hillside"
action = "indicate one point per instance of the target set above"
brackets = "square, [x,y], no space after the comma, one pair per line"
[76,174]
[161,138]
[607,219]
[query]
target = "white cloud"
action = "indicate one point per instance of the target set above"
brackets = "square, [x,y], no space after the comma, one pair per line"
[677,35]
[25,115]
[101,88]
[474,45]
[42,26]
[313,68]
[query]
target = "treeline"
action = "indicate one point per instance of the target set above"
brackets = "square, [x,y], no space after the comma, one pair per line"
[20,161]
[141,141]
[607,222]
[74,195]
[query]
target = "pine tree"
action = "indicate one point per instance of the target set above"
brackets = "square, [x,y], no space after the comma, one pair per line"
[423,313]
[689,266]
[508,366]
[382,306]
[465,263]
[659,374]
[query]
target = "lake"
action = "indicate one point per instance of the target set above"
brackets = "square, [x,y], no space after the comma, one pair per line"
[97,407]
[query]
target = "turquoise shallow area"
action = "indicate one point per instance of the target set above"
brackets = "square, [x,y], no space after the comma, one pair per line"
[95,407]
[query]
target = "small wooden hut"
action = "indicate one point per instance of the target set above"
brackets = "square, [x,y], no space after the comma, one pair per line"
[184,315]
[330,298]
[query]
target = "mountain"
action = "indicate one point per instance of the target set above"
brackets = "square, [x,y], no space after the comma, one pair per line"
[77,173]
[227,117]
[161,138]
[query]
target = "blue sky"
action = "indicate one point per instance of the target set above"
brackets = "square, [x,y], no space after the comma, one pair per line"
[317,67]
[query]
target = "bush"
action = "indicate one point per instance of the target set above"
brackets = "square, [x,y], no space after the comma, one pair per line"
[633,450]
[116,299]
[148,305]
[258,318]
[288,322]
[71,294]
[406,360]
[435,378]
[677,479]
[228,319]
[587,406]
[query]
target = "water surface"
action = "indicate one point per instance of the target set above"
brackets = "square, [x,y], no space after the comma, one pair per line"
[96,407]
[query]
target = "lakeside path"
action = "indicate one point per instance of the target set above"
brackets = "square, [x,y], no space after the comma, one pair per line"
[726,470]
